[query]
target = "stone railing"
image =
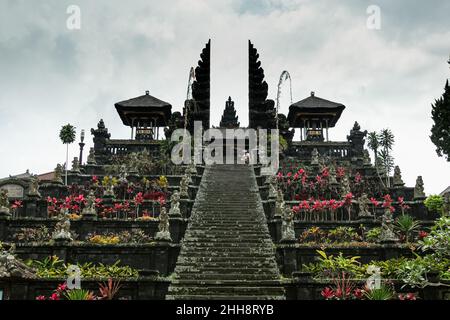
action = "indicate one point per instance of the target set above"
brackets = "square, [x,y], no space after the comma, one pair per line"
[120,147]
[303,149]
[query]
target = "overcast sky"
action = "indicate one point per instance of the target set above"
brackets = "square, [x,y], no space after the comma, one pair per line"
[50,75]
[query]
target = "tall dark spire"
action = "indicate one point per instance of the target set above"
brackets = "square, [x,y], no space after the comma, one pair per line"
[229,118]
[261,110]
[200,108]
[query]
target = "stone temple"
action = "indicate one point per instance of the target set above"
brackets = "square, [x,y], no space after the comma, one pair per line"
[213,231]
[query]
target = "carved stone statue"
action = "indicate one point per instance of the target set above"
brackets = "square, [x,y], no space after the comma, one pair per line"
[184,187]
[91,157]
[363,204]
[332,175]
[387,228]
[89,211]
[11,267]
[272,186]
[76,165]
[192,168]
[287,225]
[315,157]
[62,230]
[33,190]
[419,192]
[175,204]
[123,174]
[58,174]
[397,179]
[279,204]
[187,173]
[345,186]
[109,190]
[163,233]
[4,203]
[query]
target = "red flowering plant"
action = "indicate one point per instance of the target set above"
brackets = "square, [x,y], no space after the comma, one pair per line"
[375,204]
[403,206]
[340,172]
[333,206]
[407,296]
[343,289]
[317,210]
[138,200]
[16,205]
[387,203]
[306,209]
[422,234]
[347,202]
[52,208]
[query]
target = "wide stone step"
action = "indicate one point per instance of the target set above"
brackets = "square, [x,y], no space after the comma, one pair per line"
[228,276]
[193,282]
[230,239]
[230,264]
[226,259]
[227,290]
[219,243]
[205,270]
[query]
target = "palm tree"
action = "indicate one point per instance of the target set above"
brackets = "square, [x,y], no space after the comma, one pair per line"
[386,139]
[373,143]
[67,136]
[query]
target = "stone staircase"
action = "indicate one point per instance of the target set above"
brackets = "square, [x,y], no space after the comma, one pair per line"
[227,252]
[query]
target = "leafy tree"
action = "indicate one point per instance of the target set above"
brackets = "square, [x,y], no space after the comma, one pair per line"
[67,136]
[440,132]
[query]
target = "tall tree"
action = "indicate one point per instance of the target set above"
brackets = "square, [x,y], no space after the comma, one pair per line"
[387,160]
[440,132]
[67,136]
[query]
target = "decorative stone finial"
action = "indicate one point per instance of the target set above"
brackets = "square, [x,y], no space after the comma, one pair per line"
[75,165]
[163,233]
[5,211]
[387,229]
[89,212]
[363,204]
[279,204]
[91,157]
[175,204]
[62,230]
[272,186]
[397,179]
[33,191]
[58,174]
[287,225]
[315,157]
[184,187]
[419,193]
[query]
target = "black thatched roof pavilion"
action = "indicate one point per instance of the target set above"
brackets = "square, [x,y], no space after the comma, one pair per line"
[145,113]
[314,114]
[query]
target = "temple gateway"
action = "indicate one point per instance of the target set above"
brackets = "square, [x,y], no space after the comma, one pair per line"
[157,230]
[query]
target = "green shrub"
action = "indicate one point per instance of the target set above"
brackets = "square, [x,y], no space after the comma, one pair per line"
[435,203]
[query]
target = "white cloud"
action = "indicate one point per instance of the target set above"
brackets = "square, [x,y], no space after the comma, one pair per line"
[51,76]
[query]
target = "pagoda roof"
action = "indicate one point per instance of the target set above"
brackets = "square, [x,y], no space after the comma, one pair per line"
[144,109]
[314,107]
